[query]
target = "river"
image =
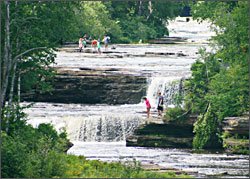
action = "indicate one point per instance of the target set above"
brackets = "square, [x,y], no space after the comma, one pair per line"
[99,131]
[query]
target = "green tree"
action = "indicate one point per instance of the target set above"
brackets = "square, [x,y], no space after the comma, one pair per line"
[29,31]
[29,152]
[221,78]
[143,20]
[93,19]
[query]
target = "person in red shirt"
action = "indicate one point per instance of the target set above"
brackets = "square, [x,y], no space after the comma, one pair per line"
[148,106]
[94,44]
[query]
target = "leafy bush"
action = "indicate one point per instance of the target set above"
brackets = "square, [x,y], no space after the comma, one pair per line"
[175,114]
[81,168]
[125,40]
[27,151]
[207,131]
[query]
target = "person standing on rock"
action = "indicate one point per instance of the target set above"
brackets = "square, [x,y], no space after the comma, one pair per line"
[106,42]
[85,37]
[84,43]
[99,46]
[160,104]
[94,44]
[80,44]
[147,105]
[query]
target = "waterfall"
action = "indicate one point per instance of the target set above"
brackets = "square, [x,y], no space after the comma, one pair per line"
[168,86]
[106,128]
[115,127]
[102,123]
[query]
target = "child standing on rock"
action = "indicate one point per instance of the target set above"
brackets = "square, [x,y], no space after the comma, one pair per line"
[99,46]
[148,105]
[80,44]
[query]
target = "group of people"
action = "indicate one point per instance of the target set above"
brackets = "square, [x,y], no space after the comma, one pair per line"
[94,43]
[159,105]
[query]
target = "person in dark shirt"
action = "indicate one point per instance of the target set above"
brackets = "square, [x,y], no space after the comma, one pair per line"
[160,104]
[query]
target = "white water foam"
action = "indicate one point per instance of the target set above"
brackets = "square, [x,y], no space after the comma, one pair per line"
[168,86]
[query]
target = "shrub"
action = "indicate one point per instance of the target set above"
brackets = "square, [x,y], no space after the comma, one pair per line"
[175,114]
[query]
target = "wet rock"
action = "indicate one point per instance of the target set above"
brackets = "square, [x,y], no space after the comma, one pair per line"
[155,141]
[69,145]
[236,125]
[161,169]
[167,40]
[165,53]
[237,134]
[157,132]
[92,86]
[180,54]
[232,145]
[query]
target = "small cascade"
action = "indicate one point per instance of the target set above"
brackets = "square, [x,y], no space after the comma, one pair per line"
[106,128]
[168,86]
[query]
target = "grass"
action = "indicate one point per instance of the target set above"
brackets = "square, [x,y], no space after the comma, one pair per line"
[79,167]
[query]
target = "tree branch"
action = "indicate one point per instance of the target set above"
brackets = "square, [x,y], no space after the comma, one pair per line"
[185,113]
[24,53]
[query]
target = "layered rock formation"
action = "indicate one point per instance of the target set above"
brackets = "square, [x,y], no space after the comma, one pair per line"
[88,86]
[236,134]
[236,125]
[156,132]
[167,40]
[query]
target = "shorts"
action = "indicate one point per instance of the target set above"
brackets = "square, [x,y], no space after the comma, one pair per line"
[106,44]
[160,108]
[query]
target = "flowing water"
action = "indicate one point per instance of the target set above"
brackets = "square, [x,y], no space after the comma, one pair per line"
[99,131]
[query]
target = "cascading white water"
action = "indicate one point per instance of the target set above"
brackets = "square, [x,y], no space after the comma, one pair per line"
[115,127]
[86,123]
[106,128]
[168,86]
[102,123]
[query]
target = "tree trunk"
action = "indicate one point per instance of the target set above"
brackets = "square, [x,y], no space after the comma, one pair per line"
[19,87]
[12,85]
[150,9]
[140,9]
[10,104]
[7,56]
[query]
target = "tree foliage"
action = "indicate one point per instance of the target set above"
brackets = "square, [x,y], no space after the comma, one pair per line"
[29,31]
[30,152]
[93,19]
[220,79]
[143,20]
